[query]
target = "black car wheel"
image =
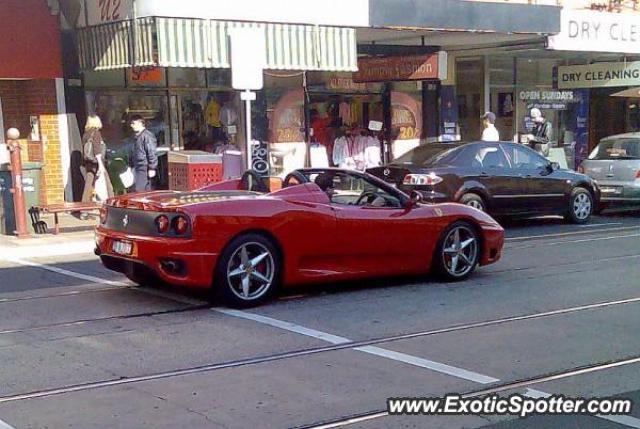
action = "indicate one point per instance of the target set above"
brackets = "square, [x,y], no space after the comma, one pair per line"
[580,206]
[473,200]
[458,252]
[248,272]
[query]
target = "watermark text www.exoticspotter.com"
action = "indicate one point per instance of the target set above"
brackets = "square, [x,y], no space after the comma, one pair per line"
[516,405]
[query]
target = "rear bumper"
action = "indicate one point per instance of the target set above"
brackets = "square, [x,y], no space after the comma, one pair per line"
[182,262]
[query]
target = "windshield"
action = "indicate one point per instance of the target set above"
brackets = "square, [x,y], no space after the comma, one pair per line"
[429,154]
[617,149]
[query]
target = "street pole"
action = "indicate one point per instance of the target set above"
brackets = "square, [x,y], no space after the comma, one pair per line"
[16,175]
[248,96]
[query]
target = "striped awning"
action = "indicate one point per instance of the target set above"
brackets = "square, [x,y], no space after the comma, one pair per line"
[180,42]
[105,47]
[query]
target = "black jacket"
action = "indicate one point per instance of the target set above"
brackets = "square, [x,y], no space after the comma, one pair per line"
[143,152]
[543,132]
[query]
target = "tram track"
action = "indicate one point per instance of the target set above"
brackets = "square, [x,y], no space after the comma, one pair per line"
[500,387]
[299,353]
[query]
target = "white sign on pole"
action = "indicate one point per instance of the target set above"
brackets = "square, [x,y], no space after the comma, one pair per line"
[585,30]
[248,57]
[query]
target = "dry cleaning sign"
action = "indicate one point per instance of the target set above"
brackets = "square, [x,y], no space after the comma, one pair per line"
[599,75]
[584,30]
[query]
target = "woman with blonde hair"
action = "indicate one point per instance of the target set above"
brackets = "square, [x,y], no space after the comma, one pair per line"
[94,153]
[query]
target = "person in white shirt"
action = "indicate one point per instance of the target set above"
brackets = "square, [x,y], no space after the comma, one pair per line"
[490,132]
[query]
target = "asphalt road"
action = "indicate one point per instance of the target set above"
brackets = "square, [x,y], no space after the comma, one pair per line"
[81,348]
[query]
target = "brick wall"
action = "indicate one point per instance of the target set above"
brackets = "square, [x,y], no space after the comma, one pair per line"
[22,99]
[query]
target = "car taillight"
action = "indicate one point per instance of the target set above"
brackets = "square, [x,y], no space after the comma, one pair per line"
[103,214]
[422,179]
[180,225]
[162,223]
[580,169]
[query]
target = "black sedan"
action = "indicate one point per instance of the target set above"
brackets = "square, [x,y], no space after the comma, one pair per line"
[502,178]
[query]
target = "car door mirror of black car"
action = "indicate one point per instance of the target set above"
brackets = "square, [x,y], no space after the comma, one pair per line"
[415,198]
[550,168]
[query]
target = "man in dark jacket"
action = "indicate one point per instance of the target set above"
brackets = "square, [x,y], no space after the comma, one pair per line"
[542,132]
[143,159]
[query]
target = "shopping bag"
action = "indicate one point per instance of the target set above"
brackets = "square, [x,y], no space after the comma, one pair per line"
[101,188]
[127,178]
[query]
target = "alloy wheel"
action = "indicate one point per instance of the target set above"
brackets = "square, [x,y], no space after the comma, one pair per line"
[460,251]
[250,271]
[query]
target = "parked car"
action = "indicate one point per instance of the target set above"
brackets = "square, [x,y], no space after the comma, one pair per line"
[322,225]
[501,178]
[615,164]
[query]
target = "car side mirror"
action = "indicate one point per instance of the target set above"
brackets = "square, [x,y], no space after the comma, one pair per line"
[555,166]
[415,198]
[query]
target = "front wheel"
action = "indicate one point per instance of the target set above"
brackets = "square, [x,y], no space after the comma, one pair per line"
[580,206]
[458,252]
[248,271]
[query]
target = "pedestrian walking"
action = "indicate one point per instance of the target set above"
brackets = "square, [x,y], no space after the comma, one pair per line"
[490,132]
[97,184]
[142,158]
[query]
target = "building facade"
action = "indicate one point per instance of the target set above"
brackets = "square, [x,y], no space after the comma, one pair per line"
[32,90]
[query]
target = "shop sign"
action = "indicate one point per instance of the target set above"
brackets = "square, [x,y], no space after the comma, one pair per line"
[406,116]
[599,75]
[102,11]
[584,30]
[547,100]
[416,67]
[337,83]
[146,74]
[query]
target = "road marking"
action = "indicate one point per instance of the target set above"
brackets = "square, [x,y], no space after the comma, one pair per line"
[411,360]
[583,240]
[64,272]
[564,234]
[372,350]
[592,225]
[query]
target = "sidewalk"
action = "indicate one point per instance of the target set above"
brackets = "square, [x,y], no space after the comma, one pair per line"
[76,236]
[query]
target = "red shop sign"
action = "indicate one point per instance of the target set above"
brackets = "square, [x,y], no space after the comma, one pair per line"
[417,67]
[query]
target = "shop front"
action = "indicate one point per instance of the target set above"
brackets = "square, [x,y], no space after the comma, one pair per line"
[352,120]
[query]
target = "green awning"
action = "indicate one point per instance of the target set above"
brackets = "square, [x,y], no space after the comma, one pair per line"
[181,42]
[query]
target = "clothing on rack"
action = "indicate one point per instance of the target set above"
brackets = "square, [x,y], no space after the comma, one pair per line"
[212,114]
[372,153]
[318,156]
[345,113]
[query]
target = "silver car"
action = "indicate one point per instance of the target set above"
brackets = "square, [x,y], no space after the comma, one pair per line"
[615,165]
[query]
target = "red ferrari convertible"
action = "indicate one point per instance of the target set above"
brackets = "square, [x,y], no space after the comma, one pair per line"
[320,225]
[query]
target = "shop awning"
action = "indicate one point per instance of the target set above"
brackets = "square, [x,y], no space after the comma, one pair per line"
[180,42]
[105,47]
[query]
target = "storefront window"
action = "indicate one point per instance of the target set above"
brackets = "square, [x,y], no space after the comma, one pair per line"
[502,87]
[470,93]
[116,108]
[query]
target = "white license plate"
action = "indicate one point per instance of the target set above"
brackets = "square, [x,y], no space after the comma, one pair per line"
[122,247]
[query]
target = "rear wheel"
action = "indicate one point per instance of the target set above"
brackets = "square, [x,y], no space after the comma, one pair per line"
[248,272]
[473,200]
[457,252]
[580,206]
